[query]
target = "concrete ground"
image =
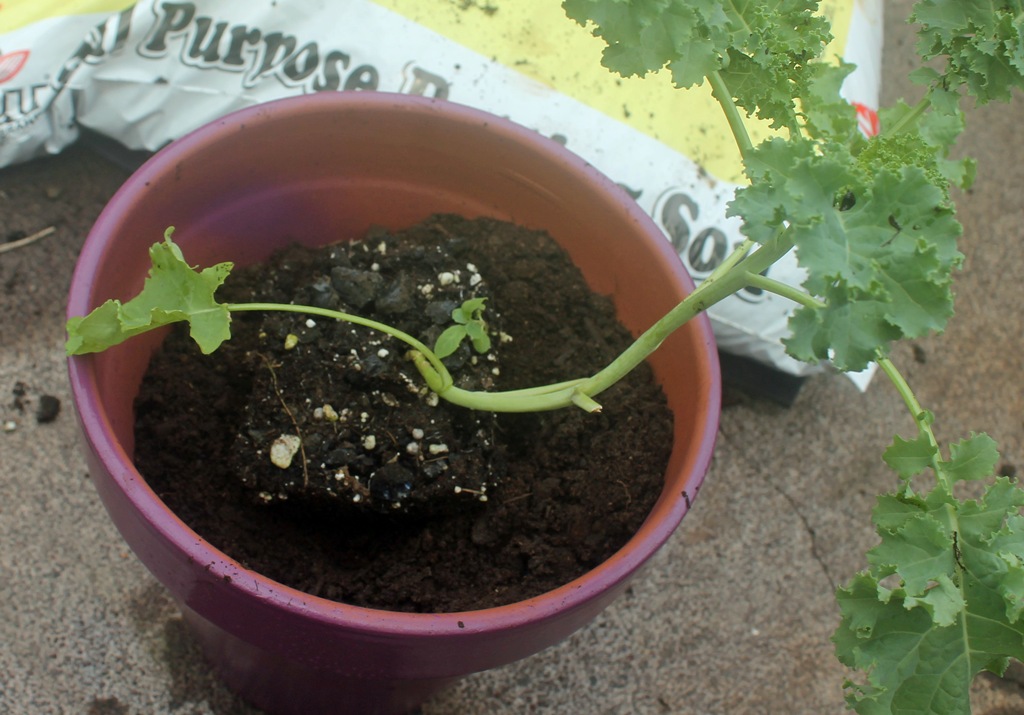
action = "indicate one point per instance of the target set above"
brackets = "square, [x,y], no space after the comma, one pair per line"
[733,616]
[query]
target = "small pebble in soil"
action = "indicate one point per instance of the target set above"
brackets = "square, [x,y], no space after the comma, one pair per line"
[284,449]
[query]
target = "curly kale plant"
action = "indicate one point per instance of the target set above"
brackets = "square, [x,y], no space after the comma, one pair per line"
[872,223]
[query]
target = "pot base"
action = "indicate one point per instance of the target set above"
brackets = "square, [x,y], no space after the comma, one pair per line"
[279,686]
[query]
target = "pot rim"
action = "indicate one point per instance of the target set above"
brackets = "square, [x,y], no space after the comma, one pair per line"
[95,424]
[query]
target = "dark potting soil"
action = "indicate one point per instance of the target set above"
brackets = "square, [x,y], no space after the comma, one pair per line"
[381,495]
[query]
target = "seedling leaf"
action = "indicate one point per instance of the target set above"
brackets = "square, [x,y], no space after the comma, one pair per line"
[448,342]
[478,336]
[469,311]
[469,323]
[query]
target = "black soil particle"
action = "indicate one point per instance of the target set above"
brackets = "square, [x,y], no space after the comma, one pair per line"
[47,409]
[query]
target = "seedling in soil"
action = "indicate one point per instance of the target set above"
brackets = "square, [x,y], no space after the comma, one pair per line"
[469,324]
[873,225]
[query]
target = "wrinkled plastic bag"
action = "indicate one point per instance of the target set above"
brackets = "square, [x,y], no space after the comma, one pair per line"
[146,73]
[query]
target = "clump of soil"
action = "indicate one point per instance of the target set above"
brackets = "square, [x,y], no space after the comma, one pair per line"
[311,451]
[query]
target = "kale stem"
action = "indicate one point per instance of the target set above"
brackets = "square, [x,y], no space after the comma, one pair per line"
[909,118]
[438,379]
[738,254]
[738,271]
[535,399]
[921,416]
[782,289]
[720,91]
[706,294]
[903,388]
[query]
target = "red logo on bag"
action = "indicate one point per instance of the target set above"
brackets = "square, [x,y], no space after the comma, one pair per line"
[867,119]
[11,64]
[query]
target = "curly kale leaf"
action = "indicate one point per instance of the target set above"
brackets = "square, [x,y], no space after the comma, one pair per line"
[173,292]
[981,41]
[879,248]
[922,139]
[646,35]
[943,598]
[759,48]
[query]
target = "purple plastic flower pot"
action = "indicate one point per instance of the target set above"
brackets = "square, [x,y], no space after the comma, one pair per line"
[326,167]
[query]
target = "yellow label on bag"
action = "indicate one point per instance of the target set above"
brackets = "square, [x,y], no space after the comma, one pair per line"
[15,14]
[536,38]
